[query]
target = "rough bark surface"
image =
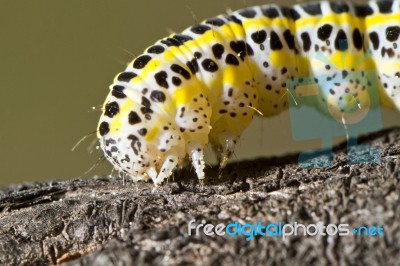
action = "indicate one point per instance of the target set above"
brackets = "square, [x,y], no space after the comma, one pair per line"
[103,221]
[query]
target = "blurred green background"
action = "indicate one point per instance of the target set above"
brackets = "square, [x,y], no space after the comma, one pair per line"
[57,59]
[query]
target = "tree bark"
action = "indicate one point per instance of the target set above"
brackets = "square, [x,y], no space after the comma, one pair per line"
[106,221]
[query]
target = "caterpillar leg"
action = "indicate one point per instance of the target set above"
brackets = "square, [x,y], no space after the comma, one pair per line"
[224,147]
[227,151]
[167,168]
[195,151]
[152,173]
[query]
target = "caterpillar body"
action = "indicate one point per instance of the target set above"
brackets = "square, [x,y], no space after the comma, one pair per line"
[205,84]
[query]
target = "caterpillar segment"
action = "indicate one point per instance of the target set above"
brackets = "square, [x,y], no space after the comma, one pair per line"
[204,85]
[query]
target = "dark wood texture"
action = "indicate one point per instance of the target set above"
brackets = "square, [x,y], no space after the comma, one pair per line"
[103,221]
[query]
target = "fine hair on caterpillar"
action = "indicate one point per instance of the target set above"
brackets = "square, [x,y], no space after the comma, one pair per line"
[203,86]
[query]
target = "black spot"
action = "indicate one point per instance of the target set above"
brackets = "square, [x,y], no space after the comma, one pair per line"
[215,22]
[331,91]
[111,109]
[193,66]
[182,38]
[259,36]
[248,13]
[249,50]
[289,38]
[104,128]
[374,37]
[357,39]
[146,110]
[293,14]
[363,10]
[234,19]
[197,55]
[176,81]
[231,60]
[390,52]
[283,70]
[275,42]
[306,41]
[134,118]
[241,48]
[230,92]
[161,78]
[324,32]
[135,144]
[287,12]
[218,50]
[142,132]
[270,12]
[141,61]
[341,43]
[117,91]
[345,74]
[183,109]
[313,8]
[200,29]
[145,102]
[171,42]
[110,141]
[385,6]
[392,33]
[209,65]
[156,49]
[157,96]
[126,76]
[180,70]
[339,7]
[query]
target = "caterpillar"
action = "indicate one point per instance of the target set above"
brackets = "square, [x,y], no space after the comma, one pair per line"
[206,84]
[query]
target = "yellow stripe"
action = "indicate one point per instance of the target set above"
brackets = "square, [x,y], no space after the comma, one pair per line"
[152,133]
[382,18]
[116,122]
[184,95]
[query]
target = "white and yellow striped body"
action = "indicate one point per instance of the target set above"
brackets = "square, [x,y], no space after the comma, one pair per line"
[206,84]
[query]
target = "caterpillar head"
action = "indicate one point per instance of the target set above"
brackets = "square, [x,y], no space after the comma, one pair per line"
[135,135]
